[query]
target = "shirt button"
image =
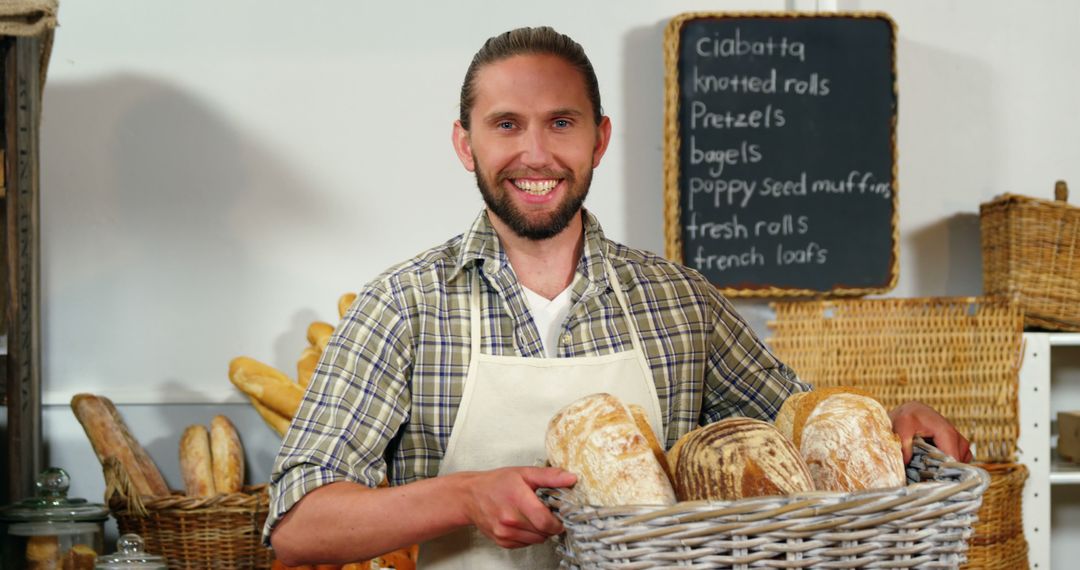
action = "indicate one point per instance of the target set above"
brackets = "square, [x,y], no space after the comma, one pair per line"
[566,338]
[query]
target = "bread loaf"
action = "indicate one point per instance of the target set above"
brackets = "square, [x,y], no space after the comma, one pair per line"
[196,462]
[318,334]
[846,438]
[276,421]
[227,456]
[641,420]
[736,458]
[43,552]
[596,438]
[110,437]
[344,302]
[305,367]
[266,384]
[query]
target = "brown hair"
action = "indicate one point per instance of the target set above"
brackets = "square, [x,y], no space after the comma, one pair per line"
[526,41]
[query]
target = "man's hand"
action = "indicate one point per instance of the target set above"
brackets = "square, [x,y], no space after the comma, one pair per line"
[917,419]
[503,504]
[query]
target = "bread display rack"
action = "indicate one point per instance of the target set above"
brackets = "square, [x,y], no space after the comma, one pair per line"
[224,531]
[925,524]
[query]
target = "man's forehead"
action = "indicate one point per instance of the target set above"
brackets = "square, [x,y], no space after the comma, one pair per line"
[532,79]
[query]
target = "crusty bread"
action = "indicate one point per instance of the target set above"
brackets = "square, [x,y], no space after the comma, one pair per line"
[785,418]
[267,384]
[318,334]
[196,462]
[276,421]
[110,437]
[846,438]
[227,456]
[43,552]
[344,302]
[305,366]
[596,438]
[641,420]
[736,458]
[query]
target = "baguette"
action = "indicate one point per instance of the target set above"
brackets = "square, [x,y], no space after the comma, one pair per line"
[276,421]
[305,367]
[110,437]
[344,302]
[318,334]
[266,384]
[196,462]
[227,456]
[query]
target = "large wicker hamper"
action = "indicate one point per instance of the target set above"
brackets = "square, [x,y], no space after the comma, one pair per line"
[1031,252]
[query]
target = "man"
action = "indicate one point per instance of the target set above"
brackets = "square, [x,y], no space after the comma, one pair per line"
[438,378]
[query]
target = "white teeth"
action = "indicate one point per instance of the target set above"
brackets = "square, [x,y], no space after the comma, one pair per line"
[536,187]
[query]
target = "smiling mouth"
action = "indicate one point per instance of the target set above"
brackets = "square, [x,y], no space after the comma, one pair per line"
[535,187]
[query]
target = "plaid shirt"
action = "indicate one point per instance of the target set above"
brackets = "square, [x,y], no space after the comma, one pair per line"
[385,394]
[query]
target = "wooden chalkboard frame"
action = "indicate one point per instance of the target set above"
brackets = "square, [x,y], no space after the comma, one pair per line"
[672,147]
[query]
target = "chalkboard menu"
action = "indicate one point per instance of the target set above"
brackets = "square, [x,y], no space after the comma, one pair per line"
[780,153]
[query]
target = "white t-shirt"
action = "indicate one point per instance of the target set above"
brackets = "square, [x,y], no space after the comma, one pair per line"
[549,317]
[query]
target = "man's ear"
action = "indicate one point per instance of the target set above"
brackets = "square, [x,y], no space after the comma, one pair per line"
[462,147]
[603,137]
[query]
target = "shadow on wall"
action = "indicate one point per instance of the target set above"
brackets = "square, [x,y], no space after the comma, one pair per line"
[948,256]
[155,208]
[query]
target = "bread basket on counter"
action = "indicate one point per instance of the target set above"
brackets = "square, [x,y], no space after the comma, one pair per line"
[926,524]
[224,531]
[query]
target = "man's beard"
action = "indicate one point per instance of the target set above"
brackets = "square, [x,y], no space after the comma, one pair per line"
[500,204]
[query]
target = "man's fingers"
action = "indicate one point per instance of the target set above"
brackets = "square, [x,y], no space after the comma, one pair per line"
[540,518]
[537,477]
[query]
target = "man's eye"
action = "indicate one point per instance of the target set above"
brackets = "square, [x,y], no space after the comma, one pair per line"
[505,125]
[561,123]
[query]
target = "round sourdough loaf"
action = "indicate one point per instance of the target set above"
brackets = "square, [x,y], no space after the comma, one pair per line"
[597,439]
[846,438]
[736,458]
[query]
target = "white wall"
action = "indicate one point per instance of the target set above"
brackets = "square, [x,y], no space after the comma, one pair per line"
[216,174]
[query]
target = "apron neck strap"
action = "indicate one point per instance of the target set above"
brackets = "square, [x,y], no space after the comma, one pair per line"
[613,280]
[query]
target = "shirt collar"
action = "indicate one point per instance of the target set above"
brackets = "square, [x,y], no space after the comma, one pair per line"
[480,245]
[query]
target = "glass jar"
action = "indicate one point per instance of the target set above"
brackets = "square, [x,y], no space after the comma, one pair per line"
[50,530]
[130,555]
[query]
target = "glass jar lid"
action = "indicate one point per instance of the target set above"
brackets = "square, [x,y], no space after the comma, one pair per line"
[130,554]
[51,503]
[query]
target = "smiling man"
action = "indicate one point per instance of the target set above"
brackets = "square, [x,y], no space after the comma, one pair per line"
[445,371]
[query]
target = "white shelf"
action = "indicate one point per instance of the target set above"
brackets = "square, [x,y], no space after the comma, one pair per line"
[1063,339]
[1063,472]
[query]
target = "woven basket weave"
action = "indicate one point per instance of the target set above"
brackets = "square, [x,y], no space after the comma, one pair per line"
[960,355]
[224,531]
[923,525]
[1031,251]
[999,543]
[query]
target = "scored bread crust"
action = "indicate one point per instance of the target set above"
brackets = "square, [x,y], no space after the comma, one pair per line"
[848,443]
[110,437]
[641,419]
[596,438]
[227,455]
[735,458]
[196,462]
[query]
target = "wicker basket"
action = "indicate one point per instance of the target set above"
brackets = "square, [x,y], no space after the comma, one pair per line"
[1031,251]
[924,525]
[960,356]
[999,543]
[224,531]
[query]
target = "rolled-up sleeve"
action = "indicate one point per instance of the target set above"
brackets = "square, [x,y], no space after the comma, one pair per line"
[356,402]
[743,377]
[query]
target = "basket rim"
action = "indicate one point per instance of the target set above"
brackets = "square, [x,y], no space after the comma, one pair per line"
[971,478]
[1018,198]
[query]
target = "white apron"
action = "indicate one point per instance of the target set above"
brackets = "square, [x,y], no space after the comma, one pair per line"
[505,408]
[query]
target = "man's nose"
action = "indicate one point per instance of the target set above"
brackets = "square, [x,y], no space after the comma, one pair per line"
[536,150]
